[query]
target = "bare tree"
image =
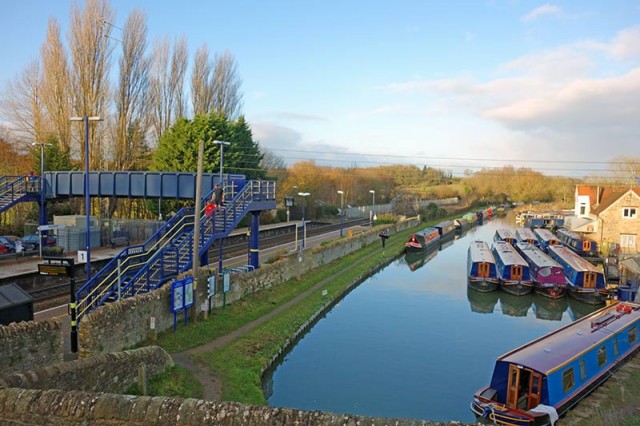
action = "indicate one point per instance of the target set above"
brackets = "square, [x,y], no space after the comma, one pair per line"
[166,85]
[90,47]
[201,82]
[227,98]
[131,95]
[22,103]
[56,96]
[179,63]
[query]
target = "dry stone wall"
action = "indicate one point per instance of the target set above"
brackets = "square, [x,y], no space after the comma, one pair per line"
[29,345]
[109,372]
[126,324]
[75,408]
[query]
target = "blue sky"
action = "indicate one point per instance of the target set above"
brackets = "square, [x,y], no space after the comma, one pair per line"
[550,85]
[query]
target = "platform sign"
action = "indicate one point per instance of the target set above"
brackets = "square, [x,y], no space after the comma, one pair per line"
[226,281]
[177,296]
[289,201]
[211,290]
[188,292]
[82,256]
[54,270]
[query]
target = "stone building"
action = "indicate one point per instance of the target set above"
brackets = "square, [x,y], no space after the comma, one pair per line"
[608,215]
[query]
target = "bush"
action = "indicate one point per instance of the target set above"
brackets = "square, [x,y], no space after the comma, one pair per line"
[385,218]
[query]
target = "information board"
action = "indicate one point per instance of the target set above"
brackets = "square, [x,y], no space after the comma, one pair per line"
[188,291]
[54,270]
[177,296]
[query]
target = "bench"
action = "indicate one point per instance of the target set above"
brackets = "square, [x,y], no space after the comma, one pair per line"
[120,237]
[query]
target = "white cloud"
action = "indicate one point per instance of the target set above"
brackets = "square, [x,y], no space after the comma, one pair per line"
[626,44]
[547,9]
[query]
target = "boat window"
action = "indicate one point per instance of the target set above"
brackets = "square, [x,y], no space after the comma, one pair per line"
[602,356]
[632,335]
[567,380]
[583,371]
[615,346]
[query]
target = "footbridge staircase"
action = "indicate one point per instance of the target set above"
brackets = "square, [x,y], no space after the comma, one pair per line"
[17,189]
[169,252]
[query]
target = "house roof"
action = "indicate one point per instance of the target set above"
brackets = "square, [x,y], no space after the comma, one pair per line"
[602,197]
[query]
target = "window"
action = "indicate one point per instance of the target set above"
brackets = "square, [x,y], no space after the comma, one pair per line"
[567,380]
[632,335]
[627,241]
[615,346]
[629,212]
[602,356]
[583,371]
[583,209]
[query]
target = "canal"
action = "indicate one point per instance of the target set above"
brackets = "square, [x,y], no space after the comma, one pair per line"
[411,341]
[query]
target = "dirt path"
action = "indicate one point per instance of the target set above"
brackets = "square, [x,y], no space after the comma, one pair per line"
[212,388]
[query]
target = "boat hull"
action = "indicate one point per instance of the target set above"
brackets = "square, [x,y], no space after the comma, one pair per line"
[551,291]
[483,285]
[517,288]
[590,296]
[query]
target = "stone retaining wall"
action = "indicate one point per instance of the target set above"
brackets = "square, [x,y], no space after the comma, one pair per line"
[29,345]
[110,372]
[116,326]
[74,408]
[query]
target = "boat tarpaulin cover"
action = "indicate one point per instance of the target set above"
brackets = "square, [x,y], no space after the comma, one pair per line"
[553,414]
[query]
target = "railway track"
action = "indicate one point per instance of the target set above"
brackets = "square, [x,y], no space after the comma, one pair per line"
[56,293]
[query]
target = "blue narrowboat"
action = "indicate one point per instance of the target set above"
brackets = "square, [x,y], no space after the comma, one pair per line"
[546,239]
[586,283]
[538,382]
[481,267]
[526,235]
[513,271]
[547,274]
[422,241]
[579,244]
[504,234]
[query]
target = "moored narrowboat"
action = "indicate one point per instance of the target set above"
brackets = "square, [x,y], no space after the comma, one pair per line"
[581,245]
[445,228]
[538,382]
[421,241]
[513,271]
[546,239]
[547,274]
[504,234]
[461,224]
[481,267]
[526,235]
[585,282]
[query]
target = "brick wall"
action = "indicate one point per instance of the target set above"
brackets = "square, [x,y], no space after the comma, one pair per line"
[75,408]
[29,345]
[109,372]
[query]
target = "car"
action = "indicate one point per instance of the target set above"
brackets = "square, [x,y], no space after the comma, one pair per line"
[8,243]
[3,249]
[32,241]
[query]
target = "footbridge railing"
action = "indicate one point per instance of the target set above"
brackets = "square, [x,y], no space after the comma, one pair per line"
[168,252]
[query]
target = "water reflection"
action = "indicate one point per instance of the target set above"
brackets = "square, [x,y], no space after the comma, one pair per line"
[482,302]
[549,309]
[579,309]
[515,306]
[418,260]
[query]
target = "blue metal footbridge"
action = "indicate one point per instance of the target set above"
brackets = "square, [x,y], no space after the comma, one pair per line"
[169,252]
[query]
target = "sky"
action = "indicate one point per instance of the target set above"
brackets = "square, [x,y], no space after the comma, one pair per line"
[460,85]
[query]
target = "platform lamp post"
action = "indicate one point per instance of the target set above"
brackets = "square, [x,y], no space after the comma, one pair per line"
[87,197]
[222,145]
[304,195]
[373,208]
[43,188]
[341,209]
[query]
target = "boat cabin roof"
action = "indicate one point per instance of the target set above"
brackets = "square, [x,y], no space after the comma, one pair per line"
[574,261]
[525,234]
[503,233]
[553,351]
[479,252]
[545,234]
[508,254]
[536,256]
[427,231]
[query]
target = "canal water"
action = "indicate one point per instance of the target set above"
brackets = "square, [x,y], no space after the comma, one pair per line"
[412,341]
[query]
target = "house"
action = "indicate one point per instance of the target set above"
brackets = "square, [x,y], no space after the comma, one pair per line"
[608,215]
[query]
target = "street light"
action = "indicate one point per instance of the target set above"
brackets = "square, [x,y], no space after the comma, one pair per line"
[304,224]
[222,145]
[341,209]
[43,210]
[87,198]
[373,208]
